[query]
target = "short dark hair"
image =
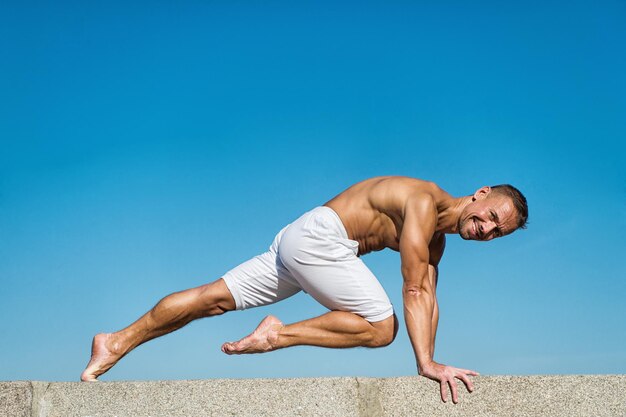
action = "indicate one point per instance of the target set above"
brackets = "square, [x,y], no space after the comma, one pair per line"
[519,202]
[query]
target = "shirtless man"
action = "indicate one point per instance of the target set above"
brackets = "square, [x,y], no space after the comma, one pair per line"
[319,253]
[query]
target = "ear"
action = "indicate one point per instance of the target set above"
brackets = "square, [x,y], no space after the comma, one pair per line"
[481,193]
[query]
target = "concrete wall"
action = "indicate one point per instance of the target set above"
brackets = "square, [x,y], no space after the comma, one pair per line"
[407,396]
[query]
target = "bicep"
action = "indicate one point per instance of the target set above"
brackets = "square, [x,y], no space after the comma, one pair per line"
[417,231]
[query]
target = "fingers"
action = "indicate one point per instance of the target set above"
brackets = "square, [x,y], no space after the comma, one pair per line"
[468,372]
[447,380]
[443,386]
[468,382]
[455,393]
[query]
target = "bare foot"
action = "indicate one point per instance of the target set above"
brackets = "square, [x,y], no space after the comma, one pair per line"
[102,357]
[262,339]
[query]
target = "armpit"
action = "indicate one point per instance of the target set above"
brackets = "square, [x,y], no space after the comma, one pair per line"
[436,248]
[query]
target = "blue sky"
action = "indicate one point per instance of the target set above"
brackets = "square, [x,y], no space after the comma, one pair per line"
[151,147]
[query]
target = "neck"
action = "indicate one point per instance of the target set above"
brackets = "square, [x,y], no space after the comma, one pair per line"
[449,212]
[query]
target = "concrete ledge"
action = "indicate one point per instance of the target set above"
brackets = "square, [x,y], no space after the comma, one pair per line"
[15,399]
[557,396]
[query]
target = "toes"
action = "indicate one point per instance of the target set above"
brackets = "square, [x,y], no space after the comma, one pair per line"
[86,377]
[229,348]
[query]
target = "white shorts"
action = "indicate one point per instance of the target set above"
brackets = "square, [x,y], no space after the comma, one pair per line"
[312,254]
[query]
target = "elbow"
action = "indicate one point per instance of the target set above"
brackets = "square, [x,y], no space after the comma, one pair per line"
[417,297]
[414,291]
[416,284]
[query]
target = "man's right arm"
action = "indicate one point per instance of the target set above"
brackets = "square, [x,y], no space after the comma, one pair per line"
[418,293]
[436,248]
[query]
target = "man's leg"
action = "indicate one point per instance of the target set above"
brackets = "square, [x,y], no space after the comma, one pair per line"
[335,329]
[171,313]
[318,257]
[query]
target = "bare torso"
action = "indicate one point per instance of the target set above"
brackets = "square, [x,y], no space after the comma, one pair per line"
[372,211]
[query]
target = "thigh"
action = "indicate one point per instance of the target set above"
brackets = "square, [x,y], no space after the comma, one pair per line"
[323,261]
[346,285]
[260,281]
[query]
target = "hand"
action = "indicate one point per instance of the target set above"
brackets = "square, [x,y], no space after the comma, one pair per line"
[445,376]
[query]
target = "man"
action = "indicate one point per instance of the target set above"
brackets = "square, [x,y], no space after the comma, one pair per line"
[319,253]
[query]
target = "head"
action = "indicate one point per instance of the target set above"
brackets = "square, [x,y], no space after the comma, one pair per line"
[493,212]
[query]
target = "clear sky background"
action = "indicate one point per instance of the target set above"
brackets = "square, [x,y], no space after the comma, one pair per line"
[146,148]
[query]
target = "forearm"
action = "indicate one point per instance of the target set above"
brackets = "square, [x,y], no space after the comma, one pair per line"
[419,307]
[433,328]
[433,277]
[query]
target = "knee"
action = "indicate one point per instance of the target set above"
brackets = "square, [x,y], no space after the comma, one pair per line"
[207,300]
[214,299]
[384,332]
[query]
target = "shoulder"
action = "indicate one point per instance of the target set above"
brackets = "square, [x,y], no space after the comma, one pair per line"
[419,217]
[421,203]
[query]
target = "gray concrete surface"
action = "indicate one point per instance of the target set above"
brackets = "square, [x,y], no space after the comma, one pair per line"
[589,395]
[15,399]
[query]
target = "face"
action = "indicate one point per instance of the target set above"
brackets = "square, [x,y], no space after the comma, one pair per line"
[488,216]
